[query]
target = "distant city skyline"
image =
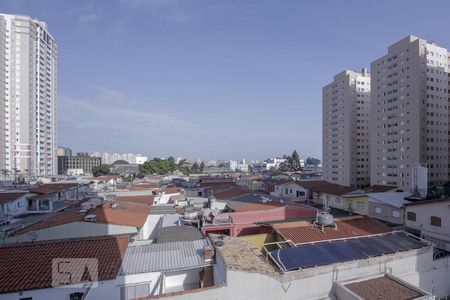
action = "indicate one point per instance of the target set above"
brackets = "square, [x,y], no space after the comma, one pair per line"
[228,79]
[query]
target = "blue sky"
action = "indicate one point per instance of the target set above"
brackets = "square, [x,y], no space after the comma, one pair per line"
[214,79]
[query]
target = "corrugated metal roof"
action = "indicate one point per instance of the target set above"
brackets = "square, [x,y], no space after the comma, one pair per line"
[171,256]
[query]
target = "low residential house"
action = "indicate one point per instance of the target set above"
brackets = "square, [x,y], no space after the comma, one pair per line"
[90,220]
[63,269]
[251,182]
[290,190]
[107,182]
[166,194]
[388,206]
[430,219]
[153,269]
[354,202]
[52,197]
[12,204]
[324,192]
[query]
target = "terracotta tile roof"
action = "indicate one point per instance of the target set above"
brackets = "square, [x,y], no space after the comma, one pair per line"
[304,231]
[171,190]
[28,266]
[144,186]
[249,207]
[382,288]
[145,199]
[105,177]
[378,188]
[6,197]
[126,214]
[230,193]
[52,188]
[326,187]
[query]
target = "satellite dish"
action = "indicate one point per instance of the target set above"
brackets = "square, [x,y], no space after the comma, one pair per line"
[32,235]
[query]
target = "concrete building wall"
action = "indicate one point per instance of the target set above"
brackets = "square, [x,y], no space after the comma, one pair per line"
[29,115]
[415,267]
[385,212]
[345,115]
[439,235]
[409,115]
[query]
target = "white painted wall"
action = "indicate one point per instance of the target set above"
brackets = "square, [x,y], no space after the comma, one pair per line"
[415,266]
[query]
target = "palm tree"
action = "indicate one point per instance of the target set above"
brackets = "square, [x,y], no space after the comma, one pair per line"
[15,171]
[5,172]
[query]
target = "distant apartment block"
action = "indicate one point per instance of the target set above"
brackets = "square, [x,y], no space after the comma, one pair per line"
[82,161]
[346,115]
[128,157]
[64,151]
[28,77]
[409,113]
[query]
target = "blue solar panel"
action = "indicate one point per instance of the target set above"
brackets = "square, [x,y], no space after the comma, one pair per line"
[307,256]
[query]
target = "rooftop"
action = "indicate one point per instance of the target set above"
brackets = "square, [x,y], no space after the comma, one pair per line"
[52,188]
[383,288]
[322,186]
[344,250]
[6,197]
[147,257]
[28,266]
[230,193]
[395,199]
[354,226]
[125,214]
[378,188]
[141,199]
[241,254]
[178,234]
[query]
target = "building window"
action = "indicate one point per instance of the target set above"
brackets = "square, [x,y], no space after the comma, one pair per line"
[411,216]
[135,291]
[395,214]
[435,221]
[377,210]
[76,296]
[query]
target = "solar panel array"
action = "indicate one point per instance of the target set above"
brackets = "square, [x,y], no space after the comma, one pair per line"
[325,253]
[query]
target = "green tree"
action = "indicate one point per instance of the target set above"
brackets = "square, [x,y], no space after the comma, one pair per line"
[120,162]
[311,161]
[195,168]
[101,170]
[5,172]
[202,167]
[291,164]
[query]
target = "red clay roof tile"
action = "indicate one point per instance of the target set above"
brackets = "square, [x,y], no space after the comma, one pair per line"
[304,231]
[28,266]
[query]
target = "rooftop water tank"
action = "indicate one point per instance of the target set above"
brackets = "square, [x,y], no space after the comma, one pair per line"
[325,218]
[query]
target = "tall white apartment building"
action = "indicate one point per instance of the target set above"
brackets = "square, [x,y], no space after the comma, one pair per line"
[28,76]
[409,113]
[346,139]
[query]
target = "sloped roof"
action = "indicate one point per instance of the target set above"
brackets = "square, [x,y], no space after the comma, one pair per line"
[137,199]
[126,215]
[304,231]
[395,199]
[378,188]
[6,197]
[326,187]
[28,266]
[230,193]
[178,234]
[147,257]
[52,188]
